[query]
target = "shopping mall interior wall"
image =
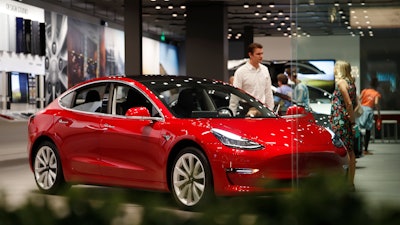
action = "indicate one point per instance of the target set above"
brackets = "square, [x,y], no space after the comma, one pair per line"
[321,47]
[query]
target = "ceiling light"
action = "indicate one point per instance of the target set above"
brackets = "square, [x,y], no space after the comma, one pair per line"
[174,14]
[183,6]
[258,5]
[264,18]
[280,13]
[268,13]
[170,6]
[271,5]
[349,3]
[279,28]
[158,7]
[246,5]
[336,4]
[256,13]
[272,24]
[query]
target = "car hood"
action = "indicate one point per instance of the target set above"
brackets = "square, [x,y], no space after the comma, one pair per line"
[278,131]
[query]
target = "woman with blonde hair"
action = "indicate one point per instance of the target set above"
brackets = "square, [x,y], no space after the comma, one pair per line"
[342,118]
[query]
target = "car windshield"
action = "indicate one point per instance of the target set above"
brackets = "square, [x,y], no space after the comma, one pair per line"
[203,99]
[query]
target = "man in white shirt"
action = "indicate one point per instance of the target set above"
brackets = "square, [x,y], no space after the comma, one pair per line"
[254,78]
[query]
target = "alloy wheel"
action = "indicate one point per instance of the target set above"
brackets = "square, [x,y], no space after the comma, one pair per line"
[189,179]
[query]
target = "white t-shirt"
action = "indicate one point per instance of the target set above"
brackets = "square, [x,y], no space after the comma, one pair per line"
[256,82]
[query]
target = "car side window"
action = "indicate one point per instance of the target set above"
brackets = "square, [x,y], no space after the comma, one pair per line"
[89,99]
[127,97]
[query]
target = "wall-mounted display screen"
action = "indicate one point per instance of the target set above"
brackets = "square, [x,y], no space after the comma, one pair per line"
[315,72]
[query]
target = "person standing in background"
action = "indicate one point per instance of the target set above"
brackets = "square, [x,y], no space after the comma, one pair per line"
[342,120]
[300,90]
[254,78]
[283,101]
[369,100]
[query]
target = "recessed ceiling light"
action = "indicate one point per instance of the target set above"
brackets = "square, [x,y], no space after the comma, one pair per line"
[246,5]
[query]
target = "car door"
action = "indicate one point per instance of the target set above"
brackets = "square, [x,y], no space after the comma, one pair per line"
[131,148]
[80,132]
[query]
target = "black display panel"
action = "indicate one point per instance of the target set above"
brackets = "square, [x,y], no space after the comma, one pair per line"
[28,36]
[20,41]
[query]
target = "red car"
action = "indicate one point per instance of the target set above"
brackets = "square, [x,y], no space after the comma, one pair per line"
[193,137]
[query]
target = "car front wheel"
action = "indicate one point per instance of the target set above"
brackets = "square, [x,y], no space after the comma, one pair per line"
[191,179]
[47,169]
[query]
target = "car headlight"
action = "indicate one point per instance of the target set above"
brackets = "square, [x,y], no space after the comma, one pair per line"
[235,141]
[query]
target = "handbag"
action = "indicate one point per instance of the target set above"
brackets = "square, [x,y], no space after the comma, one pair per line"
[378,124]
[358,111]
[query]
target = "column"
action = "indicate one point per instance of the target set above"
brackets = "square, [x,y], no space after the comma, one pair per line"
[206,40]
[133,37]
[248,38]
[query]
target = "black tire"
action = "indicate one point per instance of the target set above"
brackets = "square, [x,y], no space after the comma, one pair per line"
[47,169]
[191,179]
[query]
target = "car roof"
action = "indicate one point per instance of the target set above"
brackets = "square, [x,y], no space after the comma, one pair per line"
[171,79]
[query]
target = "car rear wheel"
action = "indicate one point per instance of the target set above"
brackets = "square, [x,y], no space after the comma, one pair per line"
[47,169]
[191,179]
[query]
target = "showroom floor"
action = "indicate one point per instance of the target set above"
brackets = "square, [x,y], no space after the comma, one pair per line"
[377,175]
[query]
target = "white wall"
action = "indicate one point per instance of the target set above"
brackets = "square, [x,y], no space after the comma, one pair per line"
[322,47]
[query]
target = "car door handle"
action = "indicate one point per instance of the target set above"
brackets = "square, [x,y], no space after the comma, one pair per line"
[63,121]
[95,127]
[108,125]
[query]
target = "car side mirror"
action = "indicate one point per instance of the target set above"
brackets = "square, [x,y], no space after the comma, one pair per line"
[295,110]
[138,111]
[300,110]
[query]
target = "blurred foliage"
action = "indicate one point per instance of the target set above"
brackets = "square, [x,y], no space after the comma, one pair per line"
[317,201]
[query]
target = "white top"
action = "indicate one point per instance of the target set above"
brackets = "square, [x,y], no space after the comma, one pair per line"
[256,82]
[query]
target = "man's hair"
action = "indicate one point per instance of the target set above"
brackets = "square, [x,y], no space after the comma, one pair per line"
[282,78]
[253,46]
